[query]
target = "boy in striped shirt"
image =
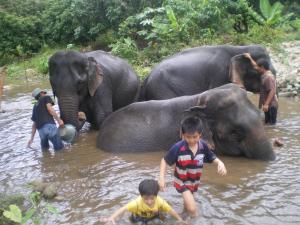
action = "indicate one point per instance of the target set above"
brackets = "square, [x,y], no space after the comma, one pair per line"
[188,156]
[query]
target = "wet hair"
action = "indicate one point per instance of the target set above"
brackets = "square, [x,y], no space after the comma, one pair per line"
[263,63]
[148,187]
[192,125]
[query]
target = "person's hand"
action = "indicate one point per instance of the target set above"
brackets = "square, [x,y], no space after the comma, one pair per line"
[61,123]
[108,220]
[265,108]
[162,184]
[185,222]
[29,143]
[221,168]
[247,55]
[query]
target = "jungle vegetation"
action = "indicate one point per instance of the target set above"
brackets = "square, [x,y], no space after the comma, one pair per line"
[141,31]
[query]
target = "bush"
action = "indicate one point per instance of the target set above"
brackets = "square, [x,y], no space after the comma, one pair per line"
[17,37]
[126,48]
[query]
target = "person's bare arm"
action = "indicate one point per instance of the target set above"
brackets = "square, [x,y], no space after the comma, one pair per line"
[221,167]
[33,131]
[253,63]
[54,114]
[162,173]
[115,215]
[173,213]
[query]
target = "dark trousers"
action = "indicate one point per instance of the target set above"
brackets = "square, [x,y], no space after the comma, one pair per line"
[271,115]
[142,221]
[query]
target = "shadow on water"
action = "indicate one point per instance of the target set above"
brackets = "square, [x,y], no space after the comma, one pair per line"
[95,183]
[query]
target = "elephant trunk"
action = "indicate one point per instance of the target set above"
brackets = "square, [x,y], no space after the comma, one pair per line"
[260,149]
[68,106]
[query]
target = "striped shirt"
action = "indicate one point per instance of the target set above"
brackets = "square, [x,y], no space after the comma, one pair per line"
[188,167]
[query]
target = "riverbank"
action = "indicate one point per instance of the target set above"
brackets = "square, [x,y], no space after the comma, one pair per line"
[286,61]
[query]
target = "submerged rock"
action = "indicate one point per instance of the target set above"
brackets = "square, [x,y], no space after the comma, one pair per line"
[38,185]
[50,191]
[47,190]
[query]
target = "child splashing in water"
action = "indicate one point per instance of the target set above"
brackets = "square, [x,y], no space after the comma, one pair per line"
[147,207]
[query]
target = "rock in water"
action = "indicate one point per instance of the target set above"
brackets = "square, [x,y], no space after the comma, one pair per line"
[50,191]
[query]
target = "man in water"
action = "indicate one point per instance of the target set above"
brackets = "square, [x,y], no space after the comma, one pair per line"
[268,100]
[43,116]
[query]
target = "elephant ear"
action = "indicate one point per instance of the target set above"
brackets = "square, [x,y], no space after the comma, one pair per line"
[237,70]
[199,111]
[95,74]
[242,73]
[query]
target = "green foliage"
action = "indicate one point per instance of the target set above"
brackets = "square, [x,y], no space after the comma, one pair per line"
[141,31]
[175,21]
[23,8]
[15,214]
[103,41]
[76,21]
[17,37]
[272,14]
[125,48]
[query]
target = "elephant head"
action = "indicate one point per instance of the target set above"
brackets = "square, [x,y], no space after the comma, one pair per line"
[243,74]
[74,78]
[232,124]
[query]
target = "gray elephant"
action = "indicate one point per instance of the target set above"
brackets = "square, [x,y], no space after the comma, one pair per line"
[232,124]
[199,69]
[96,83]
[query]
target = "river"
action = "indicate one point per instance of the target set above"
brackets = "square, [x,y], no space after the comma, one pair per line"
[94,183]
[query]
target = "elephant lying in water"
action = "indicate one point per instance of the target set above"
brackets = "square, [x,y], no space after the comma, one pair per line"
[199,69]
[232,124]
[96,83]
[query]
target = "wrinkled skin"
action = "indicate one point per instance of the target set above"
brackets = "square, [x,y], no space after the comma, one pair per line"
[232,124]
[199,69]
[95,83]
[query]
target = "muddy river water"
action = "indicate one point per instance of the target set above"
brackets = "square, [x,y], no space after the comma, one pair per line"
[94,183]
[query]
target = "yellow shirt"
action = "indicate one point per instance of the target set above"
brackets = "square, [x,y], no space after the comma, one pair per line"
[139,208]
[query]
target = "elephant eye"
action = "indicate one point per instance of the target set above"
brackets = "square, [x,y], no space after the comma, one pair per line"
[237,135]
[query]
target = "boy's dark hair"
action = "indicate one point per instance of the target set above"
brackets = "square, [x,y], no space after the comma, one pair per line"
[263,63]
[192,125]
[149,187]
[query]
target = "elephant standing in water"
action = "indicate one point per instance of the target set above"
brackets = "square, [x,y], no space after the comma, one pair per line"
[232,124]
[96,83]
[199,69]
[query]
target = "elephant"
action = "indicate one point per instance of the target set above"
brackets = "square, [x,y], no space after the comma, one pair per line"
[198,69]
[232,124]
[94,83]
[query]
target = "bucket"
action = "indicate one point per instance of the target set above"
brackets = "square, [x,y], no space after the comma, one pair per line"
[68,133]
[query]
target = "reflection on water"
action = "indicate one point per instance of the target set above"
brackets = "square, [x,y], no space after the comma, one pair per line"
[95,183]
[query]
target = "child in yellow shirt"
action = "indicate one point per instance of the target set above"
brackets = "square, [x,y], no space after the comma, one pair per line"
[146,207]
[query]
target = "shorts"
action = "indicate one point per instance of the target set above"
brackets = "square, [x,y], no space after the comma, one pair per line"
[183,188]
